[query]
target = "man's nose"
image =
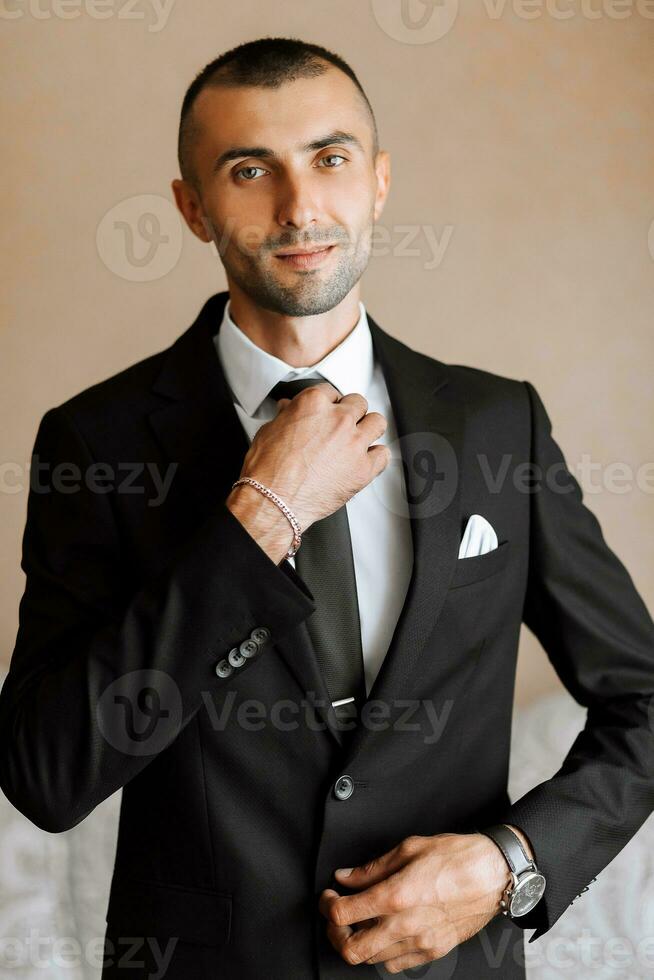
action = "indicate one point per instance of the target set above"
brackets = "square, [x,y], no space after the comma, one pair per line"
[298,205]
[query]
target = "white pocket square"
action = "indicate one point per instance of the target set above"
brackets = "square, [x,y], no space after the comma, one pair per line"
[478,537]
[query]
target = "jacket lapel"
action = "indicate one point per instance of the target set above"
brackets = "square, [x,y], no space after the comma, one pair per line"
[198,428]
[429,416]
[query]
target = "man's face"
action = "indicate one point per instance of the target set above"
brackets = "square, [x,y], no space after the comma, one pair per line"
[287,169]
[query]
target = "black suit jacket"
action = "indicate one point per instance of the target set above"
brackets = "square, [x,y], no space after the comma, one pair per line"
[229,826]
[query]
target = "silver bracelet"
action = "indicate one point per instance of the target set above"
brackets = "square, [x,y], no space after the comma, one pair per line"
[288,513]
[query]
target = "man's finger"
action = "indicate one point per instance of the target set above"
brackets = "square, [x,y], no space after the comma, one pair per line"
[340,935]
[407,961]
[325,901]
[378,869]
[396,953]
[392,935]
[336,934]
[381,899]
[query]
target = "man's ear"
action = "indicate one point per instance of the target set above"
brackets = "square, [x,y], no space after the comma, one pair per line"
[189,203]
[383,172]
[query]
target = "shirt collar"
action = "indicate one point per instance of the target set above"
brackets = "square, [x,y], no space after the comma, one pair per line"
[252,372]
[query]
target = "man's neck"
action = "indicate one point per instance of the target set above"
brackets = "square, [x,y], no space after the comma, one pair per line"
[299,341]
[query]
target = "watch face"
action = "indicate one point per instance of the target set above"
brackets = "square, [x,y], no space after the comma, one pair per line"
[527,893]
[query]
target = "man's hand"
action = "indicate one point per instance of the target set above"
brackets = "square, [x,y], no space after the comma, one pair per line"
[318,452]
[418,901]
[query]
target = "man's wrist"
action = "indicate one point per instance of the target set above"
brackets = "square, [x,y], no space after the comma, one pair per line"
[498,870]
[504,839]
[263,520]
[523,840]
[495,872]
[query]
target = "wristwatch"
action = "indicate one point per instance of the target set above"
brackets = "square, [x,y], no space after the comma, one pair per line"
[527,883]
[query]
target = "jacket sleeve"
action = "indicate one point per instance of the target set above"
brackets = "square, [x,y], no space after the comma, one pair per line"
[99,683]
[582,605]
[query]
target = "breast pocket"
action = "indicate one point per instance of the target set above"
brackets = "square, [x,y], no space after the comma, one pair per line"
[142,908]
[478,567]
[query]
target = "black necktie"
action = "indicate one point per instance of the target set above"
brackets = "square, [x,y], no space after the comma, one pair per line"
[325,562]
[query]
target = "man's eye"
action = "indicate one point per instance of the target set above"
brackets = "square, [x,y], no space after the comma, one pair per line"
[333,156]
[243,170]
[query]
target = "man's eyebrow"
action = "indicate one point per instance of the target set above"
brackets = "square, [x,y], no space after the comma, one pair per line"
[238,152]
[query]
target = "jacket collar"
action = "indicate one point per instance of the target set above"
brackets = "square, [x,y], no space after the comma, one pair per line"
[252,373]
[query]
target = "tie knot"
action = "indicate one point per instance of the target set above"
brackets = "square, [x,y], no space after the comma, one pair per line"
[288,389]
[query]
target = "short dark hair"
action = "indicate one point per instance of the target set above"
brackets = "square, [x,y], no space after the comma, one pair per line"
[266,62]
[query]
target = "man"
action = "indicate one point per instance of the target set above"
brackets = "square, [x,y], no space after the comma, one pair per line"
[288,677]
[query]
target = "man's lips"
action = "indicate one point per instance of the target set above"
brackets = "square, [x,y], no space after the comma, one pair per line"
[304,251]
[307,259]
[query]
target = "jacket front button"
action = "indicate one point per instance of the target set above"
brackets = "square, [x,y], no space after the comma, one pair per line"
[235,657]
[223,669]
[343,787]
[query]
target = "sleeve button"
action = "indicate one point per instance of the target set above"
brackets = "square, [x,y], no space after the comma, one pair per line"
[249,648]
[235,657]
[260,635]
[223,669]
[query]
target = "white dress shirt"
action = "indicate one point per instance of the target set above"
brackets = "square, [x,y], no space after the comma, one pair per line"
[382,545]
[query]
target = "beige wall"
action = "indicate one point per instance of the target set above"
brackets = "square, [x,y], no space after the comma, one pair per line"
[524,145]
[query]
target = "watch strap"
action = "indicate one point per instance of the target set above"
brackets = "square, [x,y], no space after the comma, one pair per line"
[511,847]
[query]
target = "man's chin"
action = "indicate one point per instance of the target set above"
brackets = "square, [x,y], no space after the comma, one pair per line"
[297,300]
